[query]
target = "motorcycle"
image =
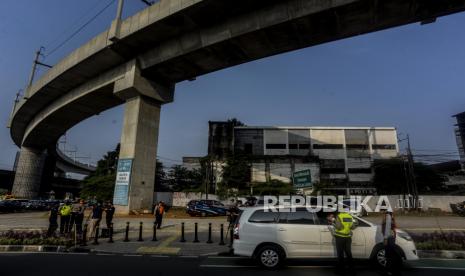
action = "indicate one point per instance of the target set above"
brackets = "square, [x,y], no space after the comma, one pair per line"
[458,208]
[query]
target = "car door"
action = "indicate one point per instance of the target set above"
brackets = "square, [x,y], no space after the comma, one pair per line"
[299,233]
[328,243]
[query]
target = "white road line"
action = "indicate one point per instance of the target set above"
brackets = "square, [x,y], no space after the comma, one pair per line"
[225,257]
[442,259]
[224,266]
[131,255]
[444,268]
[104,254]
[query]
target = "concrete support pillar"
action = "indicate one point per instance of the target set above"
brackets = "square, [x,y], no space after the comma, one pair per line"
[29,173]
[135,181]
[139,141]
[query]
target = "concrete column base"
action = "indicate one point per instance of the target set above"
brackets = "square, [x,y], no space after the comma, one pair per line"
[29,173]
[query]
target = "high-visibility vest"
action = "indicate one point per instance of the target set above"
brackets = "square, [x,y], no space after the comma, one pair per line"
[346,221]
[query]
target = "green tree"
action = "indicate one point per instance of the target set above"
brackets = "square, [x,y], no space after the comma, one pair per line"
[391,177]
[101,183]
[99,186]
[273,187]
[236,172]
[182,179]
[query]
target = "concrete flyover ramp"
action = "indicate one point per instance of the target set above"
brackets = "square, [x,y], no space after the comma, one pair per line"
[138,61]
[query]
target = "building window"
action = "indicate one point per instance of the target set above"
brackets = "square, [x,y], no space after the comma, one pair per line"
[304,146]
[248,148]
[275,146]
[357,146]
[328,146]
[384,147]
[360,170]
[332,170]
[292,146]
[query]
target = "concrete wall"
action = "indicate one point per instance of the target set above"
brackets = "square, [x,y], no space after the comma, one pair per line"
[426,201]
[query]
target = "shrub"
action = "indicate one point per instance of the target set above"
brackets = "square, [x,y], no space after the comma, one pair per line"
[32,238]
[440,241]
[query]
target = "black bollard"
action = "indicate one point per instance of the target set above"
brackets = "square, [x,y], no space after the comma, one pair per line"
[110,233]
[196,236]
[231,237]
[140,232]
[182,233]
[96,235]
[84,236]
[126,237]
[209,233]
[154,238]
[221,236]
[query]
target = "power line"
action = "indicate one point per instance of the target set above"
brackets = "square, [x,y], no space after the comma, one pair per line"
[80,28]
[48,45]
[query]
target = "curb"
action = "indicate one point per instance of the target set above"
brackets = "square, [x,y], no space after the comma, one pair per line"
[444,254]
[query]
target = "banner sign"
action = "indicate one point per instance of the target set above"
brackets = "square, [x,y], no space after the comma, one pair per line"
[123,177]
[302,179]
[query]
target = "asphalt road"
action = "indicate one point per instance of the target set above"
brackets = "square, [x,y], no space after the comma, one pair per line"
[69,264]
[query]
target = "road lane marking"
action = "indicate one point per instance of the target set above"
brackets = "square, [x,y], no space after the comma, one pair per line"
[443,268]
[132,255]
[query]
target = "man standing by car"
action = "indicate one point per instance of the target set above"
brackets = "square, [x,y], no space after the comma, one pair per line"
[343,224]
[389,233]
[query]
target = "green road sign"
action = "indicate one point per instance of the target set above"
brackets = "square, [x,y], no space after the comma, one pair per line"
[302,179]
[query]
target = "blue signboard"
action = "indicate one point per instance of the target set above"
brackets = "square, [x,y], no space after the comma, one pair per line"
[123,177]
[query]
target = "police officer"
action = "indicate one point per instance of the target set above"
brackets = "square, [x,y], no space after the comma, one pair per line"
[343,224]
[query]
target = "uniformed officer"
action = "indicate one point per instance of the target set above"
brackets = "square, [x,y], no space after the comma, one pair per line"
[343,224]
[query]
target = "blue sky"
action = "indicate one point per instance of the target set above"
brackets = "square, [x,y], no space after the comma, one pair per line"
[412,78]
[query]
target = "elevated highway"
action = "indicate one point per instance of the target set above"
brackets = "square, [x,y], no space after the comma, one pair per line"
[138,61]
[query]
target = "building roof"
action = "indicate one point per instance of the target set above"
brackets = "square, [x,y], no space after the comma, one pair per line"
[313,127]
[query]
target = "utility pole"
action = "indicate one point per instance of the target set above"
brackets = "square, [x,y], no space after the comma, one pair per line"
[412,179]
[114,32]
[207,177]
[18,95]
[34,66]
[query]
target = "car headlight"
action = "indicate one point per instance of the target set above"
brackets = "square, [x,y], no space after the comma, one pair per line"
[404,236]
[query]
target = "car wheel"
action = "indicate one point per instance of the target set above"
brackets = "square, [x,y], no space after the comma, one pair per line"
[270,257]
[380,257]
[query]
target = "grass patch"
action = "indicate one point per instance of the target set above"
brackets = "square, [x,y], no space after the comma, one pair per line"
[440,241]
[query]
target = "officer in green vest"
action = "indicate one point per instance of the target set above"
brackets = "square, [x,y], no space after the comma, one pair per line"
[343,225]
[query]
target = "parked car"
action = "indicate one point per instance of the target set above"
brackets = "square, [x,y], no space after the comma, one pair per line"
[272,237]
[205,207]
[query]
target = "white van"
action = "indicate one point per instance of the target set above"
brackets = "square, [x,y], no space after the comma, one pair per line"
[271,237]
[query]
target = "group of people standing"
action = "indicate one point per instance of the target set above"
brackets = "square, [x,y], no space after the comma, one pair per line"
[341,225]
[72,217]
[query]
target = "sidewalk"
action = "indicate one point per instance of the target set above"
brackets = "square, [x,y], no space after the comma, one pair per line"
[168,239]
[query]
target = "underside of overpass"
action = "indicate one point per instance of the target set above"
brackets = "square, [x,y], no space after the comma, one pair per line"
[139,60]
